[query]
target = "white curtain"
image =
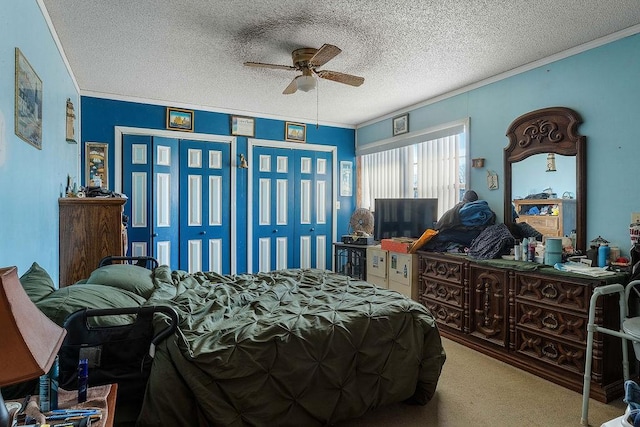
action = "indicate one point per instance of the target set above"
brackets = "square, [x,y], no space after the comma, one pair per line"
[430,169]
[387,174]
[438,172]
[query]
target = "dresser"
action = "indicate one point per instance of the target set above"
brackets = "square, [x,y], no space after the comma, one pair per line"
[547,224]
[527,315]
[90,229]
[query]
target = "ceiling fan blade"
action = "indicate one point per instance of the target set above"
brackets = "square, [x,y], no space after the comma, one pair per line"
[263,65]
[341,77]
[323,55]
[293,86]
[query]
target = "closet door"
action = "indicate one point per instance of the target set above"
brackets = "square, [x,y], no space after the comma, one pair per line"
[272,209]
[313,214]
[291,208]
[205,203]
[151,182]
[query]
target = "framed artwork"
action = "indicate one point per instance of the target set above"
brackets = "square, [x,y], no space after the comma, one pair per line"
[178,119]
[97,165]
[401,124]
[346,180]
[295,132]
[242,126]
[28,108]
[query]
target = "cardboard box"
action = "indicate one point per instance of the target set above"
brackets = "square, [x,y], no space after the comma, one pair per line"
[397,244]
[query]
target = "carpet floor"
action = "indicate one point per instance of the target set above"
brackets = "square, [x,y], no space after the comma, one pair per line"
[477,390]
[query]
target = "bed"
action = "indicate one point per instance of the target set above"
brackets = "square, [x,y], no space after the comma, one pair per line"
[290,347]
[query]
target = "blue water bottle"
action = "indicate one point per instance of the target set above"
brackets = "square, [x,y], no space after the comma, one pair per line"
[83,379]
[603,255]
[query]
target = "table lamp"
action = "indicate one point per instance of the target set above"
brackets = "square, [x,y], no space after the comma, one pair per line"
[30,341]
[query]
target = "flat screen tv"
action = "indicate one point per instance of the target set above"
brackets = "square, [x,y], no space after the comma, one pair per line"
[403,217]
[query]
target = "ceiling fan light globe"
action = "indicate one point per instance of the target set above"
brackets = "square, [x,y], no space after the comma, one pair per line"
[306,83]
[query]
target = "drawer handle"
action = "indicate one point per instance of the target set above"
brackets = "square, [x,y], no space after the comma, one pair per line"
[550,351]
[550,321]
[550,291]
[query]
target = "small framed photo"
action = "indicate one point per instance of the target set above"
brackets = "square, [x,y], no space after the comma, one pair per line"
[96,163]
[401,124]
[295,132]
[243,126]
[178,119]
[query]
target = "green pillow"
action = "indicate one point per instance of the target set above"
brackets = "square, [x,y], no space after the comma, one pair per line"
[124,276]
[61,303]
[37,283]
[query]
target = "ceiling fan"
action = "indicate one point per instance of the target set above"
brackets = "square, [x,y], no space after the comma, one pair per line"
[307,60]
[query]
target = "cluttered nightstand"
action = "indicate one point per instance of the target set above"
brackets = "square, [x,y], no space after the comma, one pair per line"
[102,398]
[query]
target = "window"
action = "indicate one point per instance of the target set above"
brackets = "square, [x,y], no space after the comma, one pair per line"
[432,165]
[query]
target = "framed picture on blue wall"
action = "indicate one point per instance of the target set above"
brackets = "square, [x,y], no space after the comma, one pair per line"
[28,109]
[295,132]
[179,119]
[96,163]
[242,126]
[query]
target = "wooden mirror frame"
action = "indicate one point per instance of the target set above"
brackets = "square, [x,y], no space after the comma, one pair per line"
[549,130]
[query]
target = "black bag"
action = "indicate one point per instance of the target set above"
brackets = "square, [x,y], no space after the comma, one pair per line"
[119,354]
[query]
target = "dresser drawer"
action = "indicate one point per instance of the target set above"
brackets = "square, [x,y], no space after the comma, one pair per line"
[444,314]
[550,351]
[442,292]
[540,318]
[543,221]
[559,292]
[448,269]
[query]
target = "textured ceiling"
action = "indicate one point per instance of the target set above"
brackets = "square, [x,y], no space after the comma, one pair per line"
[191,53]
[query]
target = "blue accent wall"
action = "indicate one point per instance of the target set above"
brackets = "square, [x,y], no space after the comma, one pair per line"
[31,179]
[601,84]
[100,116]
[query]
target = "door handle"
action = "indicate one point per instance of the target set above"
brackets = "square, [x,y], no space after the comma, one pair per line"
[312,229]
[154,235]
[275,230]
[202,233]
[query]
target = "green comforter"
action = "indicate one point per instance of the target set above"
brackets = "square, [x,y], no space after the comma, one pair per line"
[294,347]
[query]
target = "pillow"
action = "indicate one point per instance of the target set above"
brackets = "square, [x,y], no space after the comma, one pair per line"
[124,276]
[62,302]
[37,283]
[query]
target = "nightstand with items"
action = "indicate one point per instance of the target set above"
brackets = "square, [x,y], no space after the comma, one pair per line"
[350,260]
[99,407]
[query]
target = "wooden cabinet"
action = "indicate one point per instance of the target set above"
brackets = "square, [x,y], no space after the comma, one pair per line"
[442,289]
[488,301]
[534,319]
[90,229]
[549,225]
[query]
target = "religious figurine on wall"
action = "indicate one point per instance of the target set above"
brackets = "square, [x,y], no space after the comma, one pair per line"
[70,117]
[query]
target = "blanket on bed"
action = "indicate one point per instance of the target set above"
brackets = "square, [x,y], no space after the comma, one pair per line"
[294,347]
[291,347]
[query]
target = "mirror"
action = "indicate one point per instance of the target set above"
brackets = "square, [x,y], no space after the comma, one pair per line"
[532,138]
